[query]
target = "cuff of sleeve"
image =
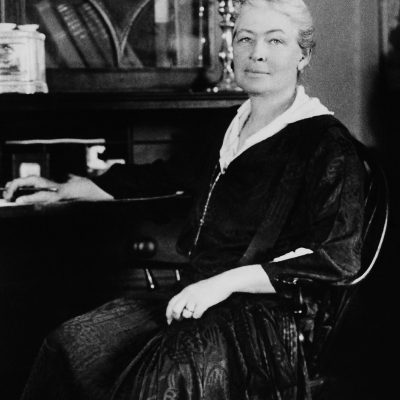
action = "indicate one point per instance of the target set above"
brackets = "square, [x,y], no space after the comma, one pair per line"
[273,271]
[110,182]
[276,275]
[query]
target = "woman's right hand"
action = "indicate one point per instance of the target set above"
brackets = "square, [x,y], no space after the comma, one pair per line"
[76,188]
[13,186]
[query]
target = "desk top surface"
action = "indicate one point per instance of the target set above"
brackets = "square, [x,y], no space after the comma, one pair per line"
[162,202]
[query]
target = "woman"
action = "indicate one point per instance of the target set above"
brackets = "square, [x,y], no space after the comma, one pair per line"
[282,195]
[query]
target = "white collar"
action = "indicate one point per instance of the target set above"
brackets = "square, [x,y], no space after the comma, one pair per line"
[303,107]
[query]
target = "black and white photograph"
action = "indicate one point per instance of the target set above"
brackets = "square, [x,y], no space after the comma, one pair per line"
[198,199]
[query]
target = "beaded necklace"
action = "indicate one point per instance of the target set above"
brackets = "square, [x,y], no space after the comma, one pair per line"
[213,183]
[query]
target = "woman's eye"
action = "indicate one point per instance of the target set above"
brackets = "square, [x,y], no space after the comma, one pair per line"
[244,39]
[275,41]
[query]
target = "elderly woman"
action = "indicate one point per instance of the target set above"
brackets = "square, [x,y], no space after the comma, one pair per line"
[282,195]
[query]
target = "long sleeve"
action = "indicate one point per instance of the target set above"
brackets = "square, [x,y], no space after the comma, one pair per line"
[334,214]
[182,171]
[158,178]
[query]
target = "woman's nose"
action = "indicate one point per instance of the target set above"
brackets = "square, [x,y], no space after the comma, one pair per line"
[259,51]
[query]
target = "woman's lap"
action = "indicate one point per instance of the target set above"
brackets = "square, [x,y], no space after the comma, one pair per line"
[126,348]
[90,350]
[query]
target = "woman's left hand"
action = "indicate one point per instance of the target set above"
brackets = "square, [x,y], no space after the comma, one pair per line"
[196,298]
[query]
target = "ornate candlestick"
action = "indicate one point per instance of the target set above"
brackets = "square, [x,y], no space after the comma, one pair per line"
[227,80]
[202,38]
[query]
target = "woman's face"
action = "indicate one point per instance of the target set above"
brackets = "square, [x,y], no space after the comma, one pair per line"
[267,56]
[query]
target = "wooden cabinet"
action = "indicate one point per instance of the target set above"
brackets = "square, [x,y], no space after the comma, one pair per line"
[136,127]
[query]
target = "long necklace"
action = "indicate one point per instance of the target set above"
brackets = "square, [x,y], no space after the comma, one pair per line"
[205,208]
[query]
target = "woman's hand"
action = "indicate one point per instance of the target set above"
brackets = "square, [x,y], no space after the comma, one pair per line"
[36,182]
[196,298]
[76,188]
[80,188]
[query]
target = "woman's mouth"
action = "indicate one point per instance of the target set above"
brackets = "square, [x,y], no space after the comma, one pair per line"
[256,71]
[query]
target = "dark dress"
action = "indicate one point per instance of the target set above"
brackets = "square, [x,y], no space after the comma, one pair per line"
[303,187]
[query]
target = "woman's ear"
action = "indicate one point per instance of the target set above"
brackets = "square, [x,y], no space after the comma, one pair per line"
[304,61]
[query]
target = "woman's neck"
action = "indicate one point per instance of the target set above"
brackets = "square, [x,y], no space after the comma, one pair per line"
[264,109]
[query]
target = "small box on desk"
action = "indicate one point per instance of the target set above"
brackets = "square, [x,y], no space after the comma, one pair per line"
[26,164]
[50,158]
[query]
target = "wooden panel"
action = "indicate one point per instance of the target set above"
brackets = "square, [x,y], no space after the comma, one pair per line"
[156,100]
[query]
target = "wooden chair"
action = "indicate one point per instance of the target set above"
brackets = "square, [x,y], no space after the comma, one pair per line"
[337,297]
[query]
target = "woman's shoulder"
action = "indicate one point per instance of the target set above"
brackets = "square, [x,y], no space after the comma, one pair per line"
[323,125]
[328,133]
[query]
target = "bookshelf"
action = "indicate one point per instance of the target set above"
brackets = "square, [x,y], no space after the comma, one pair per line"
[114,45]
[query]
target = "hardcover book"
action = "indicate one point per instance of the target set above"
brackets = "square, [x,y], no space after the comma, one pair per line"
[61,41]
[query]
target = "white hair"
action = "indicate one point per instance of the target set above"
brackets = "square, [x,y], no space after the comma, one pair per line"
[298,12]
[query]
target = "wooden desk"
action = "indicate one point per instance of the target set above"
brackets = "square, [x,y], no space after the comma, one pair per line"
[60,260]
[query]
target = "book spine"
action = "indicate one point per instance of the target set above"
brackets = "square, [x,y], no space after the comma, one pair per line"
[64,46]
[98,32]
[87,48]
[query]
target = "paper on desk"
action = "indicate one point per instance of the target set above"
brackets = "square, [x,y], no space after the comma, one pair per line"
[5,203]
[301,251]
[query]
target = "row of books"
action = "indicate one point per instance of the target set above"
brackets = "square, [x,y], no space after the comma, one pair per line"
[121,33]
[81,35]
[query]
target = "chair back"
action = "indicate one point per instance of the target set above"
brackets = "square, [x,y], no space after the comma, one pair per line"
[376,216]
[339,295]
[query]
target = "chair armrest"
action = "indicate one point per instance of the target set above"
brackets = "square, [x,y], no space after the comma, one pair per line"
[151,269]
[292,288]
